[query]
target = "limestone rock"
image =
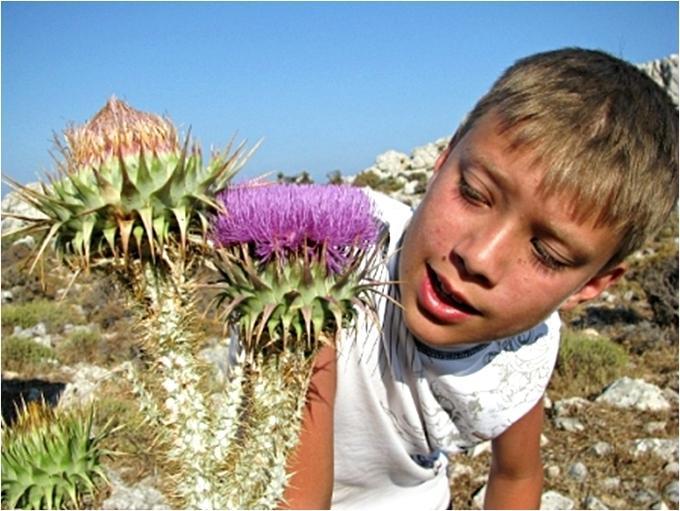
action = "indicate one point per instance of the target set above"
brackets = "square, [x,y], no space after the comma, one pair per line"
[569,406]
[665,73]
[670,491]
[141,495]
[592,502]
[601,449]
[578,471]
[12,203]
[664,448]
[634,393]
[85,380]
[554,500]
[569,424]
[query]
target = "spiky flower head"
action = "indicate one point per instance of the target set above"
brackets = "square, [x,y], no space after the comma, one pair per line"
[292,260]
[124,176]
[289,221]
[51,459]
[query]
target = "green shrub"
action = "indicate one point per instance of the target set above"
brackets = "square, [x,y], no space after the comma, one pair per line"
[586,363]
[21,354]
[372,180]
[80,346]
[27,314]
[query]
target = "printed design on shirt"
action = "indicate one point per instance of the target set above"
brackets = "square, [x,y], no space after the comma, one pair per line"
[460,410]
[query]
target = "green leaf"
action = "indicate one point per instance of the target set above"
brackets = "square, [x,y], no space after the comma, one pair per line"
[146,214]
[181,217]
[110,236]
[87,227]
[144,183]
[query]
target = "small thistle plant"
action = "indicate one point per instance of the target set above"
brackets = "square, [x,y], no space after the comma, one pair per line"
[293,262]
[50,459]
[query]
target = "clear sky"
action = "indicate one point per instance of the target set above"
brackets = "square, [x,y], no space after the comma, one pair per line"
[327,85]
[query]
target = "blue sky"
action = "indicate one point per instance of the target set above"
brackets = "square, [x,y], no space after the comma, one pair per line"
[327,85]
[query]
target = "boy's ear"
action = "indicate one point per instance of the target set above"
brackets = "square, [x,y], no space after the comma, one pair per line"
[595,286]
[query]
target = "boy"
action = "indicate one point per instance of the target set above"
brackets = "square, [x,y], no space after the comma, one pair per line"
[558,173]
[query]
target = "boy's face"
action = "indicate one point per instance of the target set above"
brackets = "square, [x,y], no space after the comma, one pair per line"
[486,256]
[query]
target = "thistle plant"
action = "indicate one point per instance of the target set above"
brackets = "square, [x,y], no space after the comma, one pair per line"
[50,459]
[293,262]
[128,199]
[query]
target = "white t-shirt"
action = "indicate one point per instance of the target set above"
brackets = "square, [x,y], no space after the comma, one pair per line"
[403,406]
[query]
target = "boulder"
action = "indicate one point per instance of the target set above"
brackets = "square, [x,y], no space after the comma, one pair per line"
[634,393]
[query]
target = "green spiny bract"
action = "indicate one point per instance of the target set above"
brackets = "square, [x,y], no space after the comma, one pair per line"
[124,176]
[50,459]
[277,304]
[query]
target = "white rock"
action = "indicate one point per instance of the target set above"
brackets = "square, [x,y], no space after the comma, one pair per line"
[646,496]
[670,491]
[591,332]
[578,471]
[671,396]
[655,427]
[12,203]
[553,471]
[659,505]
[141,495]
[547,402]
[665,73]
[634,393]
[86,380]
[664,448]
[391,161]
[569,424]
[601,449]
[27,241]
[70,329]
[568,406]
[7,296]
[671,468]
[593,502]
[554,500]
[611,483]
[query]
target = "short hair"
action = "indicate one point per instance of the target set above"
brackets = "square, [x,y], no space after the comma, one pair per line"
[606,131]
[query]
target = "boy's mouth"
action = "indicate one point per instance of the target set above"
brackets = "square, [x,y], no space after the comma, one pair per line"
[440,301]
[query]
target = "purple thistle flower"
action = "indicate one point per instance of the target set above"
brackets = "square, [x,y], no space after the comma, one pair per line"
[289,220]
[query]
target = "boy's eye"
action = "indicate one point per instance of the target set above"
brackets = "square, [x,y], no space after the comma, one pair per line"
[546,258]
[471,194]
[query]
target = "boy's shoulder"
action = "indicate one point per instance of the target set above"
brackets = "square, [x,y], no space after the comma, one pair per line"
[391,212]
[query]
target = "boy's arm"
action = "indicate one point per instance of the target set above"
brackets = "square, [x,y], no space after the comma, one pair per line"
[516,475]
[311,463]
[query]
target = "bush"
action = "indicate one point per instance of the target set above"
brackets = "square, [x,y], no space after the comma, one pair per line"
[585,364]
[20,354]
[25,315]
[372,180]
[80,346]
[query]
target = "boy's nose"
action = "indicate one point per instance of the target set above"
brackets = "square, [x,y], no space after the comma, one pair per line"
[482,254]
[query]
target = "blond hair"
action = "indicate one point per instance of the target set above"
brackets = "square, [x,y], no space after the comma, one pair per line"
[607,133]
